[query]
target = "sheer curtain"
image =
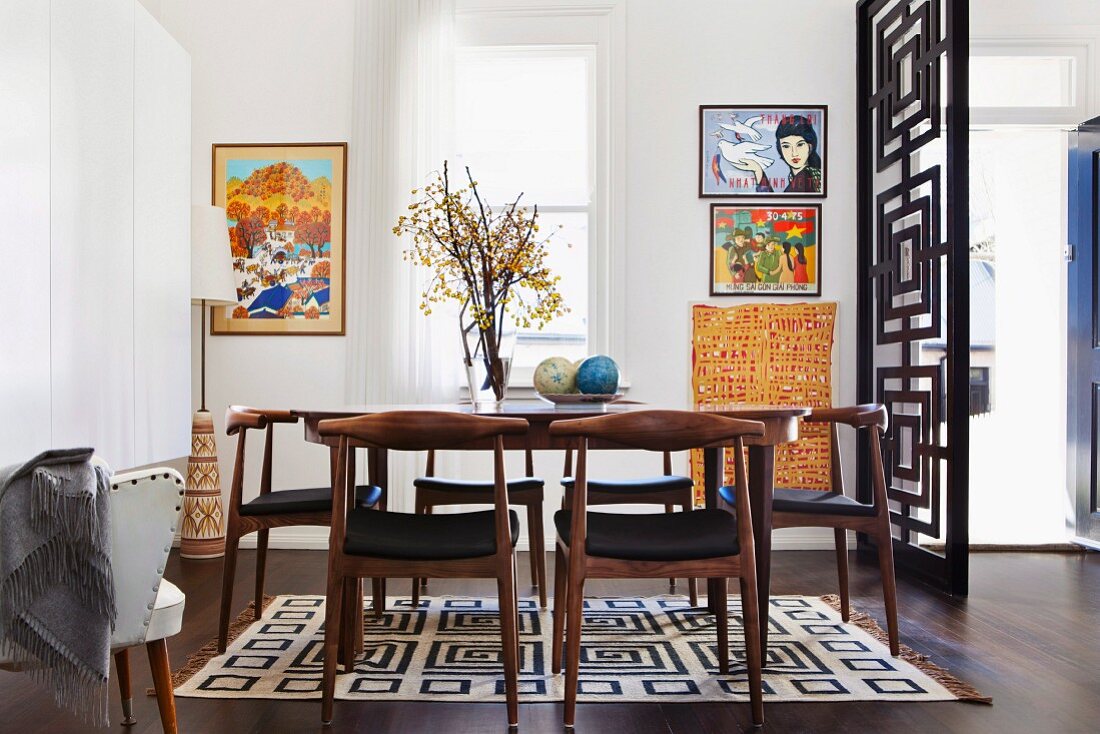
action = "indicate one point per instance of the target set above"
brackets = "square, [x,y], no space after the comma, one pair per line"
[403,114]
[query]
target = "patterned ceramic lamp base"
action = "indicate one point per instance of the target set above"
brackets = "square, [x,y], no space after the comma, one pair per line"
[201,533]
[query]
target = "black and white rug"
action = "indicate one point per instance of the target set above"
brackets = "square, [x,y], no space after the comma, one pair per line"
[633,649]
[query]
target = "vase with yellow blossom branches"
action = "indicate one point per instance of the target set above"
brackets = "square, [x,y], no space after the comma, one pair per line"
[489,260]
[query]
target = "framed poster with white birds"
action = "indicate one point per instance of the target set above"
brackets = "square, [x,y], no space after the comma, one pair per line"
[756,150]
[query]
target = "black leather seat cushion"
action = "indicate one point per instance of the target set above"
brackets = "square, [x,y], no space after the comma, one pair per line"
[280,502]
[810,502]
[401,535]
[674,536]
[476,487]
[631,486]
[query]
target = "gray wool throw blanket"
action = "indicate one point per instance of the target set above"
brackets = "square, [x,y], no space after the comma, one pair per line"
[57,601]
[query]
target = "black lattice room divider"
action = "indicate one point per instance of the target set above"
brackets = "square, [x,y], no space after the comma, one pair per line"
[914,274]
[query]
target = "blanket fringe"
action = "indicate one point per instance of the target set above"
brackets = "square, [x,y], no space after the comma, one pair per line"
[960,690]
[198,660]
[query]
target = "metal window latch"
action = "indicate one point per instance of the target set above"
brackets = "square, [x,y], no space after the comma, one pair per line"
[1069,252]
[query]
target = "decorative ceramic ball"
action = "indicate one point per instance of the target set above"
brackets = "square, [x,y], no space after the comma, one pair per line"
[598,375]
[555,376]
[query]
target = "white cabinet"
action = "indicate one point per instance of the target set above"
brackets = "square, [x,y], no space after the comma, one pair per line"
[98,341]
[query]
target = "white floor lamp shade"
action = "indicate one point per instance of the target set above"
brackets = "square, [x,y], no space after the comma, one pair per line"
[212,284]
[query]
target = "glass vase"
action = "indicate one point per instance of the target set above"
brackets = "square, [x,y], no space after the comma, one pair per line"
[488,361]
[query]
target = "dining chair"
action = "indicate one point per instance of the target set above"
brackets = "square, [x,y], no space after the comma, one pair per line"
[669,490]
[394,544]
[709,543]
[270,509]
[527,492]
[796,508]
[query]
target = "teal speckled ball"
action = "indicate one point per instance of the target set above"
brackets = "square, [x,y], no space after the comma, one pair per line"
[598,375]
[555,376]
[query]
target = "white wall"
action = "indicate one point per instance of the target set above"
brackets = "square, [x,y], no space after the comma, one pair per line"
[96,194]
[678,56]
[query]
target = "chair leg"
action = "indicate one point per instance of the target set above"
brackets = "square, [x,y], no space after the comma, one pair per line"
[722,617]
[358,601]
[885,546]
[561,605]
[162,684]
[693,589]
[333,598]
[750,613]
[574,619]
[378,595]
[509,640]
[122,672]
[539,554]
[531,544]
[421,508]
[841,537]
[229,570]
[261,566]
[671,582]
[347,625]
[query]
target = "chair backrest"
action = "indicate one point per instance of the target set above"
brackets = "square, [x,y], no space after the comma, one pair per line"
[869,415]
[238,420]
[145,512]
[659,430]
[420,430]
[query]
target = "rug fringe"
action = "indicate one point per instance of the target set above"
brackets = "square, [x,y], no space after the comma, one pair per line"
[198,659]
[962,691]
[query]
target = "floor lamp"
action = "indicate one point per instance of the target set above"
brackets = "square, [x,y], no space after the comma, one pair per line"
[212,284]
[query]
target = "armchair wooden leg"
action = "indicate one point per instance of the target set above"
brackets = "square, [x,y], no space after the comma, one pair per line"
[417,583]
[509,640]
[229,570]
[333,599]
[561,605]
[693,587]
[750,612]
[884,543]
[722,617]
[261,567]
[538,552]
[841,538]
[162,684]
[574,619]
[378,594]
[347,625]
[122,672]
[358,601]
[671,582]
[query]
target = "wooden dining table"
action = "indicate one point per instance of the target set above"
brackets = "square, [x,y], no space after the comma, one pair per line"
[780,426]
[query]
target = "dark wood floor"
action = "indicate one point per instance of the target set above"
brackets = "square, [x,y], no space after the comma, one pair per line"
[1029,636]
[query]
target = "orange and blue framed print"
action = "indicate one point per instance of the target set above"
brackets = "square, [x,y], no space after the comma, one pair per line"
[775,152]
[284,206]
[765,249]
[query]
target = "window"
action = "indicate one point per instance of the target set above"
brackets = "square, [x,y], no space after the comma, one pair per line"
[524,123]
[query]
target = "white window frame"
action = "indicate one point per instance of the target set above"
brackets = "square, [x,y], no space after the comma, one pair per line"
[599,25]
[1026,42]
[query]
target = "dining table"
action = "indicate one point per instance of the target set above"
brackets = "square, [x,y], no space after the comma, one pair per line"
[780,426]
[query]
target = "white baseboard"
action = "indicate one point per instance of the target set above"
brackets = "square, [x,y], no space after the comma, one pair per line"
[316,538]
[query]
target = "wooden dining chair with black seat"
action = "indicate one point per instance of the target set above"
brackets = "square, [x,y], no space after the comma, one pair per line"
[363,543]
[269,509]
[709,543]
[669,490]
[798,508]
[527,492]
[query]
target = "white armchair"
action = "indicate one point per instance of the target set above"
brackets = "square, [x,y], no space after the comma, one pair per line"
[145,510]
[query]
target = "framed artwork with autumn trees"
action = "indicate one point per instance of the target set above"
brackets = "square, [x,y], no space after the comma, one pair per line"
[285,210]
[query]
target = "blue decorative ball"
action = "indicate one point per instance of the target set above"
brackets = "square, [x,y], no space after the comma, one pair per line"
[598,375]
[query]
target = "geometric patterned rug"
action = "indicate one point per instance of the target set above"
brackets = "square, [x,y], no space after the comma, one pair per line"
[633,649]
